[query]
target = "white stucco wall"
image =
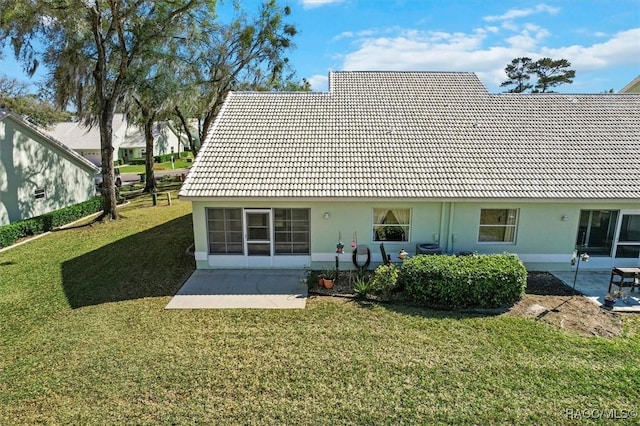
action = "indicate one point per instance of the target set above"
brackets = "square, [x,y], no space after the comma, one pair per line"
[27,164]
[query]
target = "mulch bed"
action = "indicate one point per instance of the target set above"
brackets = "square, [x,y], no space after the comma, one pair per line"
[546,299]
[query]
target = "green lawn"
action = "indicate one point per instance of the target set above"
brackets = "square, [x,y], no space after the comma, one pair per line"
[140,168]
[85,339]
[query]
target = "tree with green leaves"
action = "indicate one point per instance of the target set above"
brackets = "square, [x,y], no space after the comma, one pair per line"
[519,74]
[247,54]
[549,73]
[15,96]
[94,51]
[552,73]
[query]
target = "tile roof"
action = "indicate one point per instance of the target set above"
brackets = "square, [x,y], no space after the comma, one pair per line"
[426,135]
[76,135]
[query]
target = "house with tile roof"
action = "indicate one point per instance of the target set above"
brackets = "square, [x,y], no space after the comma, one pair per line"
[38,174]
[128,141]
[632,87]
[406,158]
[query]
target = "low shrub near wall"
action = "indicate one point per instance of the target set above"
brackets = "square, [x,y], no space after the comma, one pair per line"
[477,281]
[11,233]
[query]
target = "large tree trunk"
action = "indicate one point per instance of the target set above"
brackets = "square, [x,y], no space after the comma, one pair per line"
[150,186]
[109,201]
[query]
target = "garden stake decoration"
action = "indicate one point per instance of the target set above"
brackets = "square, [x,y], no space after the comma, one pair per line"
[339,246]
[575,260]
[354,240]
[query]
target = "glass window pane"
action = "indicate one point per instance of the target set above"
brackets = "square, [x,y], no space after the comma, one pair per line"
[300,214]
[259,249]
[628,252]
[300,237]
[234,214]
[216,225]
[225,230]
[234,248]
[217,248]
[301,248]
[630,228]
[283,248]
[300,226]
[258,234]
[234,225]
[283,237]
[216,214]
[234,237]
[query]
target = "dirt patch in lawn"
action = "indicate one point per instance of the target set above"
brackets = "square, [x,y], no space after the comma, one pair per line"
[549,300]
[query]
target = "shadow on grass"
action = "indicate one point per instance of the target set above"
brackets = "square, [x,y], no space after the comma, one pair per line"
[151,263]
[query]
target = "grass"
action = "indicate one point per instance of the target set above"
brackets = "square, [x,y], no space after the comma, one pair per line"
[140,168]
[85,339]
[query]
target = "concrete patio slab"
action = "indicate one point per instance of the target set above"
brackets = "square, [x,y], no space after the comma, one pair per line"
[247,289]
[594,285]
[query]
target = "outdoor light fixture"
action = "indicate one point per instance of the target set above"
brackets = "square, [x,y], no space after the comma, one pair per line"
[326,215]
[564,218]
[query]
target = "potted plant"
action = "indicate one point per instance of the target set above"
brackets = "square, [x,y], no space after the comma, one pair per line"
[321,280]
[610,299]
[329,275]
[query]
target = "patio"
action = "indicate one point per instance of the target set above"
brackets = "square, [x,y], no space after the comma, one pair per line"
[594,285]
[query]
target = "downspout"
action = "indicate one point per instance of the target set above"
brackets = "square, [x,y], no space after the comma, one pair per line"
[443,237]
[453,236]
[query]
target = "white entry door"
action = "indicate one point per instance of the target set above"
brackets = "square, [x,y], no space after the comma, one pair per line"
[627,244]
[258,237]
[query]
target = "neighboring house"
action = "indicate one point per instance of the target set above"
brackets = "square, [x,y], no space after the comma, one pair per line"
[632,87]
[128,141]
[85,140]
[412,157]
[37,173]
[165,140]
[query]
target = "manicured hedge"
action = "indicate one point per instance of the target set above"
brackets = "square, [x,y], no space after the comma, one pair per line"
[9,234]
[476,281]
[167,157]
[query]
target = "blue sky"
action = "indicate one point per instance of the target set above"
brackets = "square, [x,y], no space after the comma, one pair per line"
[601,38]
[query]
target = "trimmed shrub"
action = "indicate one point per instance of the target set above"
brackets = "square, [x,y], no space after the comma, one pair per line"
[11,233]
[385,279]
[477,281]
[137,162]
[165,157]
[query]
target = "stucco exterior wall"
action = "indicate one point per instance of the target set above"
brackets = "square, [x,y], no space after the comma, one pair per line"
[544,240]
[28,163]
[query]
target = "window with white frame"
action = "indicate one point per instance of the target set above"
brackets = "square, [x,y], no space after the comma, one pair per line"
[391,224]
[498,225]
[225,230]
[291,229]
[40,193]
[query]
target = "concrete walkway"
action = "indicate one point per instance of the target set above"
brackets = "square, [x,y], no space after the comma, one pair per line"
[233,289]
[594,285]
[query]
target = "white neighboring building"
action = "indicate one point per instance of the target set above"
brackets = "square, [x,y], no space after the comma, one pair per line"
[165,138]
[86,140]
[128,142]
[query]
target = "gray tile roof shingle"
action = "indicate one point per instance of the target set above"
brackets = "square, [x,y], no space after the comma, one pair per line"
[428,135]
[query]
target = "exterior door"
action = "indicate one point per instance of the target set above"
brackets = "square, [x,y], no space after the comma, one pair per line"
[258,237]
[627,247]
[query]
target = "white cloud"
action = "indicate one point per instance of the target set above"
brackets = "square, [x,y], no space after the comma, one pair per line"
[621,49]
[319,82]
[521,13]
[309,4]
[412,50]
